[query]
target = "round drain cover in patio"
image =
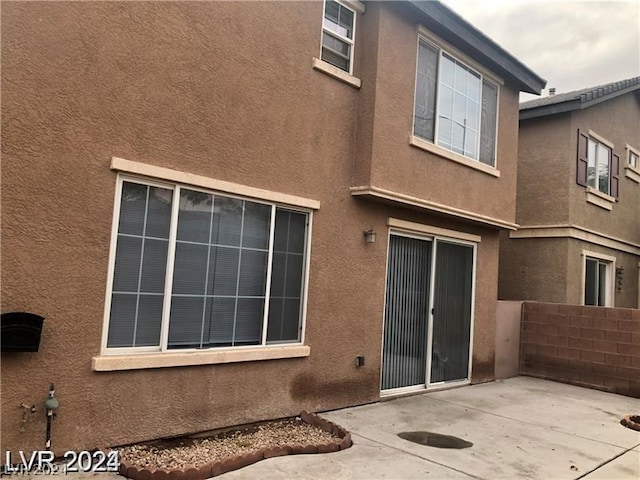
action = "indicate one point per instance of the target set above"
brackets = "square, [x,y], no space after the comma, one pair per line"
[437,440]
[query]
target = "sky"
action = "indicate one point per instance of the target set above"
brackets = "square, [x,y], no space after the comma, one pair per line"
[572,45]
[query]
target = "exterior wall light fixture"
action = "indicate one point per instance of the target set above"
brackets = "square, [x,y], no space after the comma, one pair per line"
[369,236]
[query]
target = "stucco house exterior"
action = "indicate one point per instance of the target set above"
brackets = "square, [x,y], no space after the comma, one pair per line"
[234,211]
[578,200]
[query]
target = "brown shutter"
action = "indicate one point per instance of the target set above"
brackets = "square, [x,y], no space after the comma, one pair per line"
[615,174]
[583,162]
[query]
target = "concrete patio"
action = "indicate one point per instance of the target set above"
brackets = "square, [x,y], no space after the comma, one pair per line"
[520,428]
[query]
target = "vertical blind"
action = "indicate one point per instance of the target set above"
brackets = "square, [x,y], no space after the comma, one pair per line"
[451,312]
[406,344]
[407,303]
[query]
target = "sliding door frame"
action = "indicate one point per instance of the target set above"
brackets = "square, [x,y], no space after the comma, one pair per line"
[423,232]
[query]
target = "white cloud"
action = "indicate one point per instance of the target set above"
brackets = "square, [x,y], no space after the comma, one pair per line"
[572,44]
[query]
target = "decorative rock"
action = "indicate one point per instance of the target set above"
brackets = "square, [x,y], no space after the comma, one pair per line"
[192,472]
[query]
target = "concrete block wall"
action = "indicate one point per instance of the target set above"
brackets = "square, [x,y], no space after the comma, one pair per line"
[589,346]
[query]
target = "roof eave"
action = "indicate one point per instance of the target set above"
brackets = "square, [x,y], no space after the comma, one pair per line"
[571,105]
[482,46]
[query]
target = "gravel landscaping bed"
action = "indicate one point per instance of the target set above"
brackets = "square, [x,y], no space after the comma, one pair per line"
[190,458]
[195,452]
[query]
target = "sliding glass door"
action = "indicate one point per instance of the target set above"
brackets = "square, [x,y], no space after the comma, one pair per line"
[428,313]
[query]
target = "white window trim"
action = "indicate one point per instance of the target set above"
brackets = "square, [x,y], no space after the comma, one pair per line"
[168,175]
[431,230]
[632,173]
[350,41]
[428,232]
[600,139]
[444,47]
[605,196]
[600,199]
[611,269]
[199,356]
[441,44]
[335,72]
[449,155]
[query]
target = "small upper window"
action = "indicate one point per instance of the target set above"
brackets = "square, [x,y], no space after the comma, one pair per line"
[634,160]
[337,35]
[455,106]
[598,166]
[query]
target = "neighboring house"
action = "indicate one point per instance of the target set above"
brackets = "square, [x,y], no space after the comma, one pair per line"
[578,203]
[186,189]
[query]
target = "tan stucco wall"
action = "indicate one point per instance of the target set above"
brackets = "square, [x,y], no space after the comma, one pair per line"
[625,295]
[154,82]
[550,270]
[545,153]
[395,165]
[508,315]
[533,269]
[617,121]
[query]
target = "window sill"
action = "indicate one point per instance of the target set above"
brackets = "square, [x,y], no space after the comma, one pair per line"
[108,363]
[336,73]
[600,199]
[441,152]
[632,174]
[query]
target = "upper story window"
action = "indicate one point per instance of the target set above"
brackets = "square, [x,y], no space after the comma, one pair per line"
[194,270]
[338,28]
[598,167]
[455,107]
[634,160]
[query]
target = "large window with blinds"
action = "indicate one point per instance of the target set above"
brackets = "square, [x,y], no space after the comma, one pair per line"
[455,106]
[195,269]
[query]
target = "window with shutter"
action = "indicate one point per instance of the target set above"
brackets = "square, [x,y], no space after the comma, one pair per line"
[583,142]
[597,166]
